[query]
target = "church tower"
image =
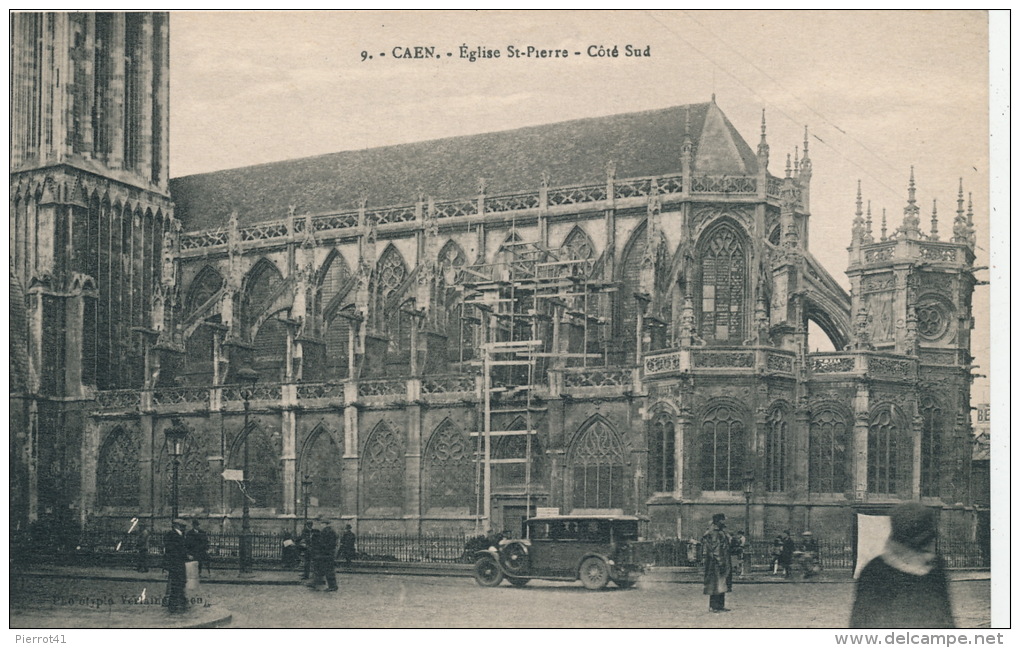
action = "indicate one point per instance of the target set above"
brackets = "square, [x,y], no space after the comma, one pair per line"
[89,208]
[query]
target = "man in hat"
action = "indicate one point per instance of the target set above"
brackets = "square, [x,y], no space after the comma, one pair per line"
[718,568]
[324,557]
[197,542]
[305,541]
[905,587]
[175,555]
[347,542]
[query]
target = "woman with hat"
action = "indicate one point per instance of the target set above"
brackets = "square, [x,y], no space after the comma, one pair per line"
[905,587]
[718,569]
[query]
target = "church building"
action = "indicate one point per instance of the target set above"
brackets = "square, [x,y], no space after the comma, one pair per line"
[602,315]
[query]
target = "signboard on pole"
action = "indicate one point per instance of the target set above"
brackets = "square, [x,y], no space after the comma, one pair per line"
[231,474]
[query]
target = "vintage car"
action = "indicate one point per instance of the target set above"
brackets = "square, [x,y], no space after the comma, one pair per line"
[593,548]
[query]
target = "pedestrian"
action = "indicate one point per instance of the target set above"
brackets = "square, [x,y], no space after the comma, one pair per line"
[289,557]
[142,549]
[786,555]
[775,553]
[323,557]
[905,587]
[197,541]
[175,555]
[347,542]
[810,564]
[305,542]
[718,568]
[738,549]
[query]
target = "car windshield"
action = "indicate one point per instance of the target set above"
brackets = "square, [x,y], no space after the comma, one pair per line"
[584,530]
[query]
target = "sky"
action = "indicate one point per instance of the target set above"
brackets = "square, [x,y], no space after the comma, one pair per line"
[879,92]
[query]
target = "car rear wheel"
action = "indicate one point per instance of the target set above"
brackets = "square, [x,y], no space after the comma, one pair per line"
[594,573]
[487,573]
[517,582]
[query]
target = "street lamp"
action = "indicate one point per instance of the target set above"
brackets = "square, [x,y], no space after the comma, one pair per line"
[306,486]
[176,435]
[246,376]
[748,491]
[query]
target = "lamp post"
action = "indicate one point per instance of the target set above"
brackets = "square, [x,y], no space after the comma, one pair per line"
[748,491]
[176,435]
[247,377]
[306,486]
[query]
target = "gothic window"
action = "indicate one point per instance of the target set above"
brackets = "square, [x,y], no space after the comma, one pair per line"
[270,354]
[723,285]
[337,341]
[263,483]
[933,417]
[883,432]
[335,275]
[933,317]
[198,353]
[661,453]
[322,462]
[777,438]
[261,288]
[828,440]
[578,246]
[382,469]
[630,266]
[449,475]
[193,475]
[513,476]
[722,448]
[118,474]
[391,270]
[597,469]
[451,259]
[206,284]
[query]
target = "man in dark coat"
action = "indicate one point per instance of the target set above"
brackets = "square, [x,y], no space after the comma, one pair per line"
[197,541]
[906,586]
[305,541]
[718,568]
[323,558]
[347,541]
[175,555]
[142,549]
[786,554]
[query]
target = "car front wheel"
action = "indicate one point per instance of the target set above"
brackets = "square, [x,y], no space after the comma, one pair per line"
[487,573]
[625,583]
[594,573]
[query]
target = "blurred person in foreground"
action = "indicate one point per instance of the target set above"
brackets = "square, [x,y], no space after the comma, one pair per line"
[906,586]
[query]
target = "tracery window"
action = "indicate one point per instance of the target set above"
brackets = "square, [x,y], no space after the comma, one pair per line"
[828,440]
[383,469]
[777,436]
[933,417]
[448,475]
[270,354]
[118,473]
[661,453]
[263,483]
[883,432]
[391,272]
[723,285]
[193,476]
[322,463]
[263,283]
[722,448]
[578,246]
[337,339]
[597,469]
[334,277]
[513,476]
[630,265]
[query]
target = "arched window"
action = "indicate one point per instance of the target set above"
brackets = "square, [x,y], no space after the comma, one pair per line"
[270,354]
[512,476]
[337,339]
[118,474]
[459,331]
[777,438]
[448,479]
[627,306]
[205,285]
[723,443]
[828,440]
[322,463]
[382,469]
[261,287]
[391,272]
[263,483]
[578,246]
[933,417]
[661,453]
[335,275]
[883,436]
[597,469]
[193,476]
[723,285]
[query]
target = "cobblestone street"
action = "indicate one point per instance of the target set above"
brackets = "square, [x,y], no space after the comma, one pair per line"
[376,600]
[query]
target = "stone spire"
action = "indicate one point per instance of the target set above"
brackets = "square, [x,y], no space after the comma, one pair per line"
[857,232]
[911,227]
[960,222]
[796,161]
[805,161]
[971,238]
[868,238]
[884,237]
[763,145]
[934,220]
[787,165]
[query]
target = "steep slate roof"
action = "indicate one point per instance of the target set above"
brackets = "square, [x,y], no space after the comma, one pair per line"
[573,152]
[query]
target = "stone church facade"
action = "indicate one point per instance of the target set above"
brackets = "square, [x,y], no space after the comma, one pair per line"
[608,315]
